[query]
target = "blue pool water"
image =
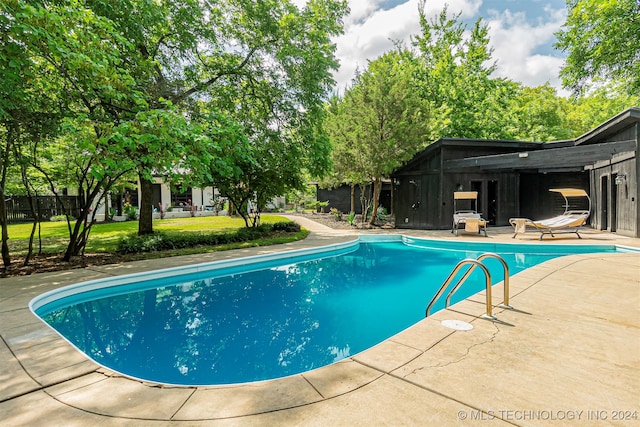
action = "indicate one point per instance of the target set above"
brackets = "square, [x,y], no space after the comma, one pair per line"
[263,318]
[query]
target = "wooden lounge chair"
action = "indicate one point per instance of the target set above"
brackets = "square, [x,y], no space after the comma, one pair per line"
[470,218]
[569,222]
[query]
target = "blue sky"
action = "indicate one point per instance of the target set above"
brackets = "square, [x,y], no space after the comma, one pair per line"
[521,32]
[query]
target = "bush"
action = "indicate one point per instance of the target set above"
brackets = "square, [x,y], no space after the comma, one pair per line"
[252,233]
[134,243]
[315,205]
[336,214]
[352,218]
[287,226]
[61,218]
[165,241]
[131,212]
[382,214]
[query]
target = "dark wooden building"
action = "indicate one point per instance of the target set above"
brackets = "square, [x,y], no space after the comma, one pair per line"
[340,197]
[513,178]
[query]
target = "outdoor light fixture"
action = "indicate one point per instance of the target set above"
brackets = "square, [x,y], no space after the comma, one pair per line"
[523,155]
[620,179]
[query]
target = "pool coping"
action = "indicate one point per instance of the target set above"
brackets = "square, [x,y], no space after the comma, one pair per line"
[42,366]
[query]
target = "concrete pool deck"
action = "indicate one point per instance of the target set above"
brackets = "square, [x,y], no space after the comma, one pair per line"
[568,354]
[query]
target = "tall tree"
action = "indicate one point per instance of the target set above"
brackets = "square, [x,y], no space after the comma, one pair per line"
[537,114]
[383,122]
[455,77]
[601,39]
[132,69]
[346,162]
[268,54]
[29,108]
[74,60]
[589,111]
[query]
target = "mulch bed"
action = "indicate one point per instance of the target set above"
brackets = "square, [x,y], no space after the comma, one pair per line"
[47,263]
[330,221]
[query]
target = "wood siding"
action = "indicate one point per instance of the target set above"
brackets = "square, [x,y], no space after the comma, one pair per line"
[340,198]
[537,202]
[424,197]
[615,206]
[513,178]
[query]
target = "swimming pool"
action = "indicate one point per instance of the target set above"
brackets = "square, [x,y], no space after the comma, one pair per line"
[269,316]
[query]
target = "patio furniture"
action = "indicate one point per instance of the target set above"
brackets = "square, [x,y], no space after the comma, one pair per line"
[569,222]
[469,218]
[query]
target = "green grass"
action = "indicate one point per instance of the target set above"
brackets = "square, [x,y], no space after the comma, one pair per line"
[104,237]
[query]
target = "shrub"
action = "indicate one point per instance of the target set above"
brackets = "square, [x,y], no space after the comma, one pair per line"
[315,205]
[134,243]
[252,233]
[352,218]
[288,226]
[382,214]
[336,214]
[60,218]
[165,241]
[131,212]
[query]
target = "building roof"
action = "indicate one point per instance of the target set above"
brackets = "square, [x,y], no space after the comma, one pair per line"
[557,156]
[612,126]
[468,143]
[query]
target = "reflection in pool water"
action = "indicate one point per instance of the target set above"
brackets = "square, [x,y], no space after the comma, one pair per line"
[285,318]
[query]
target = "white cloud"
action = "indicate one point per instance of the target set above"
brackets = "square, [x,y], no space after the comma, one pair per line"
[515,41]
[371,31]
[516,38]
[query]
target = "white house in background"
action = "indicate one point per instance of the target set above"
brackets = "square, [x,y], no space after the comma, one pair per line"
[193,202]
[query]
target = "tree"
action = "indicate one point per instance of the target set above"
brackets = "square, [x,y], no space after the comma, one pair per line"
[537,114]
[266,64]
[382,123]
[601,39]
[345,163]
[587,112]
[454,77]
[73,60]
[129,75]
[29,111]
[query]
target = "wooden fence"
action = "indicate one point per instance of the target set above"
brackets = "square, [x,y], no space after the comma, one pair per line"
[18,209]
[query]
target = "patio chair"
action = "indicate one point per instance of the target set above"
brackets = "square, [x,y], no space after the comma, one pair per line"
[569,222]
[470,218]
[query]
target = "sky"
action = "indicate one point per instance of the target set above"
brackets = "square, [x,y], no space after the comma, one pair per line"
[521,34]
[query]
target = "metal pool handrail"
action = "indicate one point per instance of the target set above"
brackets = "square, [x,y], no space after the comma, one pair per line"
[475,263]
[505,303]
[452,275]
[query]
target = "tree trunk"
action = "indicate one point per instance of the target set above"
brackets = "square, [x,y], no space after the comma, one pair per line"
[145,218]
[4,164]
[377,187]
[364,203]
[6,258]
[75,237]
[353,198]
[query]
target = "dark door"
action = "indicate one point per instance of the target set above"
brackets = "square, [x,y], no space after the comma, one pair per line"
[477,186]
[157,194]
[613,210]
[492,198]
[604,200]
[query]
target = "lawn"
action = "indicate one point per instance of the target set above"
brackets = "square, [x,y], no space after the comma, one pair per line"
[104,237]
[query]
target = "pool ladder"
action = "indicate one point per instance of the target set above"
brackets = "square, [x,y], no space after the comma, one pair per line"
[475,263]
